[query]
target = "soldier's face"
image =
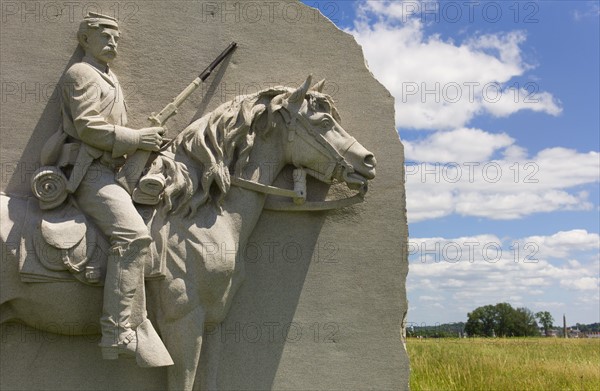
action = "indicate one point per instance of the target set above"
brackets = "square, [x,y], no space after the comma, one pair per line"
[102,44]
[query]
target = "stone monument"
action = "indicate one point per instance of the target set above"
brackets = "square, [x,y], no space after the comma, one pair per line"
[305,294]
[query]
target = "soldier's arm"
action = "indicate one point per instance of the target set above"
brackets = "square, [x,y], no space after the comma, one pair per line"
[85,102]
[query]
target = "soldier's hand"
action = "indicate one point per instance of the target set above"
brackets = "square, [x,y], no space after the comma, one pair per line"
[151,138]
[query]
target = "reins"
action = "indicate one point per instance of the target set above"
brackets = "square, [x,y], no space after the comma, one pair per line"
[298,195]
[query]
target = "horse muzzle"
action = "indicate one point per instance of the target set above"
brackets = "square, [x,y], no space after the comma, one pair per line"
[360,167]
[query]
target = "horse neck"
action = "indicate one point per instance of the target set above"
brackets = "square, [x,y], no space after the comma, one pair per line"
[265,163]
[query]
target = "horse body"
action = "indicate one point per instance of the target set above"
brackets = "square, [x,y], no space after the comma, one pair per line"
[203,300]
[204,268]
[41,305]
[180,305]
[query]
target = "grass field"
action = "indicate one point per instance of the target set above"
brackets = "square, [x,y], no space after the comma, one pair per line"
[546,364]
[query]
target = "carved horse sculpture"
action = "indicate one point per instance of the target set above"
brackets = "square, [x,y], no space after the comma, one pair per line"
[250,138]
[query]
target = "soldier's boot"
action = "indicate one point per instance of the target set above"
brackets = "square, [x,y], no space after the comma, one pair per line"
[124,276]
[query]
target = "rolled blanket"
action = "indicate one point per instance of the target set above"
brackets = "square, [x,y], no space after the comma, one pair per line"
[49,186]
[143,198]
[152,184]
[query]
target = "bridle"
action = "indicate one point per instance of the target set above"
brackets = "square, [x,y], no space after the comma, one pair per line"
[299,126]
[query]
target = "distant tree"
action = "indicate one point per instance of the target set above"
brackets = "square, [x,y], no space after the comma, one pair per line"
[481,321]
[446,330]
[505,320]
[501,320]
[546,320]
[525,324]
[592,327]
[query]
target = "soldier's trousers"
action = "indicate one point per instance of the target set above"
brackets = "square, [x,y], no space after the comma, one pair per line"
[110,207]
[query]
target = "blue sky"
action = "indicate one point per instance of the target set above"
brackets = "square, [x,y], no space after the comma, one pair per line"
[502,153]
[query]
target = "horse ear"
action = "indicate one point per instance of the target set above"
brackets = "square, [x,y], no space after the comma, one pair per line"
[297,96]
[319,86]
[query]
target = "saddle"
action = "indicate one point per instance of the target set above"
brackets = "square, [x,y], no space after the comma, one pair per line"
[62,245]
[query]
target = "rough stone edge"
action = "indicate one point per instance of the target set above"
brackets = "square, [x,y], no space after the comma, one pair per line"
[405,222]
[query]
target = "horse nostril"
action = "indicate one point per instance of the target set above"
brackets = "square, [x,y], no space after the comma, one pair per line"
[370,161]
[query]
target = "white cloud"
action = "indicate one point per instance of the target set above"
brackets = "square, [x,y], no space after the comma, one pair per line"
[442,84]
[513,206]
[549,304]
[490,270]
[563,243]
[459,145]
[439,84]
[582,284]
[567,166]
[514,100]
[456,173]
[431,298]
[593,11]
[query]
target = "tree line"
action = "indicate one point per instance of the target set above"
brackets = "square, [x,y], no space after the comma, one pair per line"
[500,320]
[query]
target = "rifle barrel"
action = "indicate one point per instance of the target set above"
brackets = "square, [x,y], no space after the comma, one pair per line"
[132,170]
[205,73]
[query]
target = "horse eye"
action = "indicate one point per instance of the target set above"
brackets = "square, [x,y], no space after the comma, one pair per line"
[325,123]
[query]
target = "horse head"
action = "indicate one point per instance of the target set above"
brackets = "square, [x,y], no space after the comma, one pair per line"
[216,148]
[316,141]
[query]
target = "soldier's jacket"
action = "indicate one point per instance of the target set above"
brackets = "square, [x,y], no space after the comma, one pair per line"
[94,111]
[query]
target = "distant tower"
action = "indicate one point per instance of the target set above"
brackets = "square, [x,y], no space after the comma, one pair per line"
[565,327]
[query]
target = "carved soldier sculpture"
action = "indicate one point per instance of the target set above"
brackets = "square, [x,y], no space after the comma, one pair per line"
[94,115]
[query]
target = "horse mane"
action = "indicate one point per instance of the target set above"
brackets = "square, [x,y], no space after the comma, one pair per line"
[218,145]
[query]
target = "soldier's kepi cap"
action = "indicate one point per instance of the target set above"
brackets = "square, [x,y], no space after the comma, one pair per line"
[93,19]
